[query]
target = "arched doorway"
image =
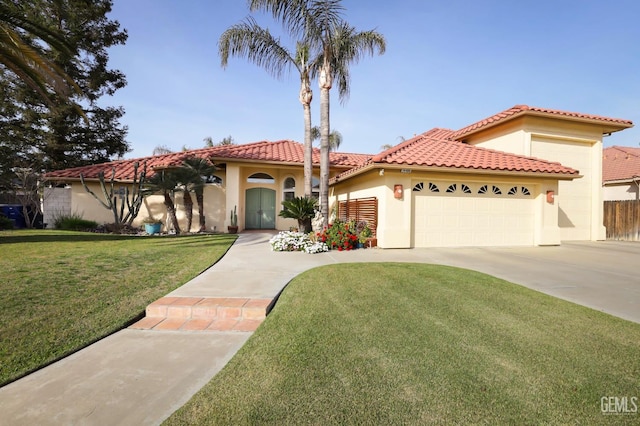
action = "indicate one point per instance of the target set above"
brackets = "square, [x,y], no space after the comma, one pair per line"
[260,212]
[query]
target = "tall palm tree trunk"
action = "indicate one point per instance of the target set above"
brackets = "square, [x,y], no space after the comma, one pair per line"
[200,200]
[171,210]
[324,81]
[306,96]
[188,206]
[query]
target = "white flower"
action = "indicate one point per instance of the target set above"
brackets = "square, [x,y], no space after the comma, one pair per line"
[296,241]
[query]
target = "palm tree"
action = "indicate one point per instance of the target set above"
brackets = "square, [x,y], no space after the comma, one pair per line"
[184,177]
[259,46]
[200,170]
[302,209]
[320,24]
[165,182]
[26,60]
[335,138]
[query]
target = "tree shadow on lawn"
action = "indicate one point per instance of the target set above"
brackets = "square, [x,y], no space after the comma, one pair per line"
[60,237]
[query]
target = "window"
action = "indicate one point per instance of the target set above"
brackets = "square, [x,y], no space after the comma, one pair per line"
[261,178]
[419,187]
[315,187]
[465,189]
[513,191]
[483,189]
[433,187]
[452,188]
[289,190]
[496,190]
[525,191]
[217,180]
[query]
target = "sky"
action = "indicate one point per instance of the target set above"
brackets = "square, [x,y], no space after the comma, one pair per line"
[447,64]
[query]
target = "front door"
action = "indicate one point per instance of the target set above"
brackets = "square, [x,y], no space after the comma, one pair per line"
[260,208]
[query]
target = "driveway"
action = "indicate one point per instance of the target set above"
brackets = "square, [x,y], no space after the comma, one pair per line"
[601,275]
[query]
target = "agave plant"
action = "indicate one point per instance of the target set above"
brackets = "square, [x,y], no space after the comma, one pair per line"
[303,209]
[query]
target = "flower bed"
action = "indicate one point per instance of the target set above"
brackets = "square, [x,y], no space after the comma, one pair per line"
[341,236]
[296,241]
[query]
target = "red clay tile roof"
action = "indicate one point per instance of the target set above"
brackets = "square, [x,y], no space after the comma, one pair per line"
[620,163]
[277,152]
[611,124]
[435,149]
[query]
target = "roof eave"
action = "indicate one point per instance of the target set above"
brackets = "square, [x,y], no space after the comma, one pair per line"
[519,173]
[608,127]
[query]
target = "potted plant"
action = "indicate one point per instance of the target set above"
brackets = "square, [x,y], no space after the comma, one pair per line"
[364,235]
[233,228]
[151,225]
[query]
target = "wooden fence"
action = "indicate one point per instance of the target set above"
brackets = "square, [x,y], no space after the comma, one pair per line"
[622,220]
[360,209]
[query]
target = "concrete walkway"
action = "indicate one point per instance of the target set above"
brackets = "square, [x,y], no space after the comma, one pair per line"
[140,377]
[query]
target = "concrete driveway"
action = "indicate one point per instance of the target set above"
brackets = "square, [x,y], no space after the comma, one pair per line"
[601,275]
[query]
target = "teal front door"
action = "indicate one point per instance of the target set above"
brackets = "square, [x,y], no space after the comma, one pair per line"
[260,208]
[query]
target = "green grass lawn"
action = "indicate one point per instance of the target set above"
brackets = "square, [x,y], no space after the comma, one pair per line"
[60,291]
[421,344]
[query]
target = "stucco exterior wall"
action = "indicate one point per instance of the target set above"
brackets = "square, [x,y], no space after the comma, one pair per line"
[577,145]
[621,192]
[86,205]
[396,220]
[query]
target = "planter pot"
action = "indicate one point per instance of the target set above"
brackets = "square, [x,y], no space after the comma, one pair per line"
[371,242]
[232,229]
[361,245]
[152,228]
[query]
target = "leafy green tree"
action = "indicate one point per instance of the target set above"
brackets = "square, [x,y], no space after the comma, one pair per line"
[320,25]
[250,40]
[52,138]
[24,58]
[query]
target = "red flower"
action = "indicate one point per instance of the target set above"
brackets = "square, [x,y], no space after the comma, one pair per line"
[339,248]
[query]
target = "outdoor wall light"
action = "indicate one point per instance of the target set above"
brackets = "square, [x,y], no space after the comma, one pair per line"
[397,191]
[551,195]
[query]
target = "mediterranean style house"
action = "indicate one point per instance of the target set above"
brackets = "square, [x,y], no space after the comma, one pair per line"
[525,176]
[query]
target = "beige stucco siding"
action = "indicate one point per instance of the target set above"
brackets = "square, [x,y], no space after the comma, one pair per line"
[573,144]
[620,192]
[86,205]
[422,218]
[576,199]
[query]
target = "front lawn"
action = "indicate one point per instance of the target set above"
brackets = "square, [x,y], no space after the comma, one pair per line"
[60,291]
[421,344]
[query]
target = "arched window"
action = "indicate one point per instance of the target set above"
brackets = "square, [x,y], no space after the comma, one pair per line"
[217,180]
[289,189]
[261,178]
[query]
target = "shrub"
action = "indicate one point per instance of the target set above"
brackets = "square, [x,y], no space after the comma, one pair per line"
[74,222]
[300,208]
[340,236]
[5,223]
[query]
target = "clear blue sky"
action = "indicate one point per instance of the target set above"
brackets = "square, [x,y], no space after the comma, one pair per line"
[448,64]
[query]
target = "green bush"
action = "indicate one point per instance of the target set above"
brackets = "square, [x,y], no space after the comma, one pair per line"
[74,222]
[302,209]
[5,223]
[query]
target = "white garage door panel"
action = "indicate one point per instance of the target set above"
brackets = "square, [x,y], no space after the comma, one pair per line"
[454,220]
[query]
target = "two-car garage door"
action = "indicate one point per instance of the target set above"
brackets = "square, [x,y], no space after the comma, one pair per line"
[453,214]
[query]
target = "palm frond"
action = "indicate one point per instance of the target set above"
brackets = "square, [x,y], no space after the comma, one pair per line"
[248,39]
